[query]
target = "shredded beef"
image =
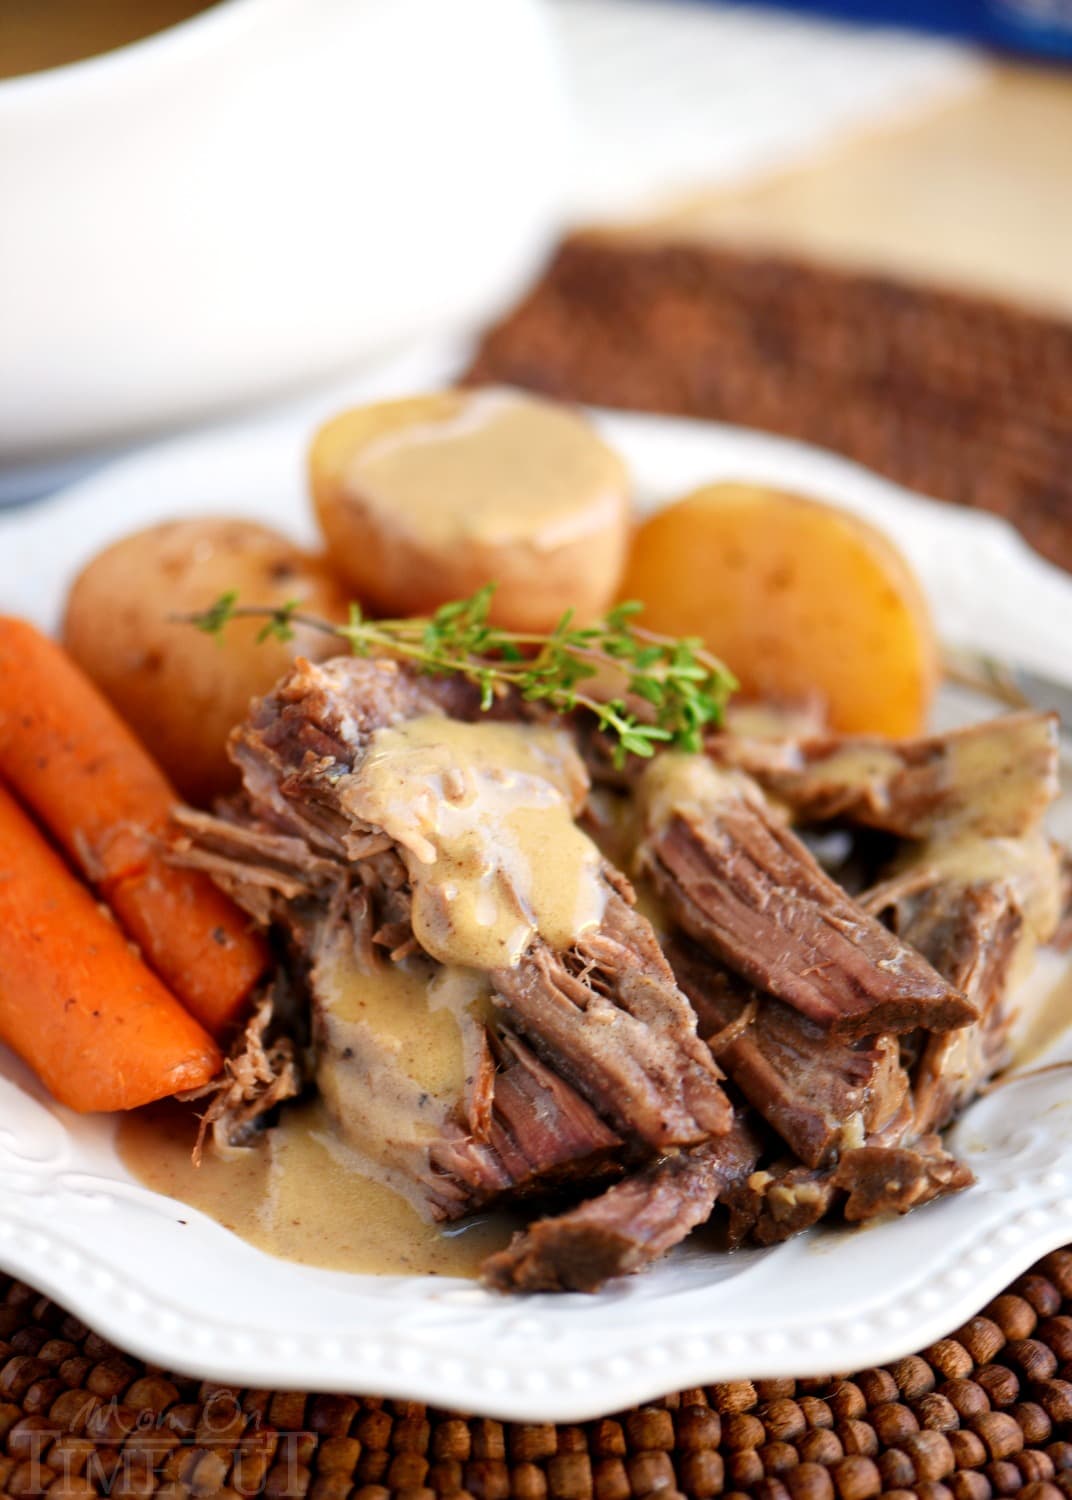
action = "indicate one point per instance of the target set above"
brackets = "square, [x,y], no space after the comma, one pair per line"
[612,1019]
[971,934]
[895,1180]
[525,1127]
[264,1069]
[994,779]
[851,1040]
[632,1224]
[819,1092]
[540,1134]
[778,1202]
[747,889]
[868,1182]
[610,1057]
[517,1127]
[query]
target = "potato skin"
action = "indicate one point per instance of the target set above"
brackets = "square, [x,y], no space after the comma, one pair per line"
[398,571]
[797,597]
[183,691]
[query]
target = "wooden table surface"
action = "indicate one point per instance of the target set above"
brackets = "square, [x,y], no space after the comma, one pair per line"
[975,194]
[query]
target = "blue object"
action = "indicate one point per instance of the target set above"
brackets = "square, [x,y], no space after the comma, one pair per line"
[1042,27]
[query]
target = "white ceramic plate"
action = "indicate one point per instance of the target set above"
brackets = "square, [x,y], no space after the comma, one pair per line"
[171,1285]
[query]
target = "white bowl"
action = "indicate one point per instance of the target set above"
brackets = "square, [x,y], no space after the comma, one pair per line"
[258,196]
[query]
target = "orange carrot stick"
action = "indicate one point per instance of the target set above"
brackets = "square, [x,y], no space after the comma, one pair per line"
[72,760]
[97,1027]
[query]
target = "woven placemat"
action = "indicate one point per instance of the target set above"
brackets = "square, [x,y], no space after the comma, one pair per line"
[959,397]
[986,1411]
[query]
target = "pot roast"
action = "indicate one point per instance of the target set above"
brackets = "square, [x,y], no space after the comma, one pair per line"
[487,1013]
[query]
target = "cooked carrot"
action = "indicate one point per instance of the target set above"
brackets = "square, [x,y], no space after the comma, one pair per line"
[73,762]
[97,1026]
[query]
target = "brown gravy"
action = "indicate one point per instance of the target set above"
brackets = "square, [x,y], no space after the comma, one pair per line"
[299,1195]
[39,34]
[484,816]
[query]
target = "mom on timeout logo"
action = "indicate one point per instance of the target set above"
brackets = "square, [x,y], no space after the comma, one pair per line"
[106,1447]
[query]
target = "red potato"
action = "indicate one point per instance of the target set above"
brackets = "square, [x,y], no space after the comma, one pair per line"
[181,690]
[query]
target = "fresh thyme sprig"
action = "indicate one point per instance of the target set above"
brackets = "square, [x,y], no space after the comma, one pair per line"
[684,686]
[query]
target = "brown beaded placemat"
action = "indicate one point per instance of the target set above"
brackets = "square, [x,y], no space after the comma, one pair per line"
[957,396]
[986,1411]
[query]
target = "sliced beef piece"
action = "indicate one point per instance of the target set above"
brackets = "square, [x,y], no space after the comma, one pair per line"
[984,927]
[778,1202]
[746,888]
[820,1093]
[869,1181]
[971,933]
[539,1127]
[982,887]
[895,1180]
[632,1224]
[993,779]
[611,1019]
[541,1134]
[976,907]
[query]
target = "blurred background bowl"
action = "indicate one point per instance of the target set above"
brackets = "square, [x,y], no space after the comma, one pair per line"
[260,196]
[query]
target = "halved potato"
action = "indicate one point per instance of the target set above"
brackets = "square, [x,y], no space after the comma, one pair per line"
[183,691]
[426,500]
[798,598]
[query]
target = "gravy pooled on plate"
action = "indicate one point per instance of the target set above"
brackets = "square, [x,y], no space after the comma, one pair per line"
[299,1194]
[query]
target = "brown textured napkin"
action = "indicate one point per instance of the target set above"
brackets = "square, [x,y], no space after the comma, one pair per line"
[961,397]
